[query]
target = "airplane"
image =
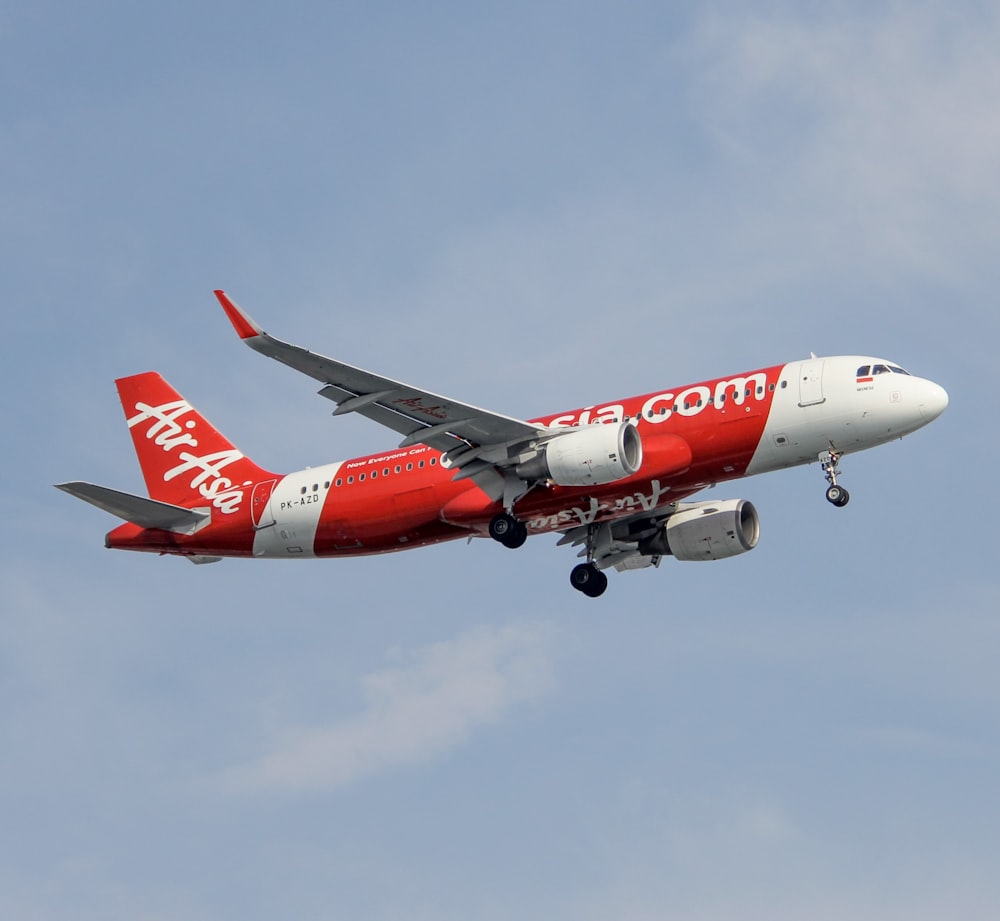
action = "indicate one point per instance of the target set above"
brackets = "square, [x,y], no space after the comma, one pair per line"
[613,479]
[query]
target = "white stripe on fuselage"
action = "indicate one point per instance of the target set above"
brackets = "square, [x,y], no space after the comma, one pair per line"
[288,525]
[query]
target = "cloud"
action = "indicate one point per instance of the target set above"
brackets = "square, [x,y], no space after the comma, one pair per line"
[881,123]
[414,710]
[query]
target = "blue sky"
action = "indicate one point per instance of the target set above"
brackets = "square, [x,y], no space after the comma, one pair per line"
[531,207]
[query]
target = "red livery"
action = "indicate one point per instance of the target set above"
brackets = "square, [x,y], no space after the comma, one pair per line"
[613,479]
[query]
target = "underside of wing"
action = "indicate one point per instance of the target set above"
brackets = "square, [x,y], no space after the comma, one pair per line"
[689,531]
[624,543]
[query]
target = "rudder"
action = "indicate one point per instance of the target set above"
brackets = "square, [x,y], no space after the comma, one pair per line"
[185,460]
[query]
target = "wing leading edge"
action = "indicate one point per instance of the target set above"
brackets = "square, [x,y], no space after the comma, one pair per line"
[474,436]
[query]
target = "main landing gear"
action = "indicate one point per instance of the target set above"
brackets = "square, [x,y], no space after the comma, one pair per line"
[587,578]
[507,530]
[835,494]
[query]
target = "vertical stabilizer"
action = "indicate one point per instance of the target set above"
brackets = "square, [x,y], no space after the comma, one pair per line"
[185,460]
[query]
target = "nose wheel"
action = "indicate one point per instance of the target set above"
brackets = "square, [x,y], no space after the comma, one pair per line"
[507,530]
[835,494]
[838,496]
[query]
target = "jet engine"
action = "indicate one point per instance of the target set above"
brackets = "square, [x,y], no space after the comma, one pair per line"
[706,531]
[589,456]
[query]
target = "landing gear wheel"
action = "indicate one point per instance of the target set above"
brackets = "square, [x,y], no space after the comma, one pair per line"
[587,578]
[507,530]
[838,496]
[501,525]
[516,536]
[829,461]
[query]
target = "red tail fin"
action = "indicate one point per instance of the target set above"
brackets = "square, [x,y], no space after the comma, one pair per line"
[185,460]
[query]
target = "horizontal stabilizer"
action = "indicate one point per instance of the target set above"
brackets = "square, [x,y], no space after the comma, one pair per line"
[146,513]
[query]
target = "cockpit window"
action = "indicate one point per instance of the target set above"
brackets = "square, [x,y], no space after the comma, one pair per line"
[869,371]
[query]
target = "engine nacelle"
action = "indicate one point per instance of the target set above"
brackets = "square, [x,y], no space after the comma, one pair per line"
[588,456]
[707,531]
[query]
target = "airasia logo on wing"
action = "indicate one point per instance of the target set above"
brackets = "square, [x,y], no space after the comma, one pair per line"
[168,433]
[417,405]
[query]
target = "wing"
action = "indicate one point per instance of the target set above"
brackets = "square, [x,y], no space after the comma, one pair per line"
[476,440]
[709,530]
[617,543]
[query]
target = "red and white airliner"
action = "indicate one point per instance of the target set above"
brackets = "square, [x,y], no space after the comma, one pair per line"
[612,479]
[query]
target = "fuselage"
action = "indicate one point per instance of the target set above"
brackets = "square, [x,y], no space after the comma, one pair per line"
[693,437]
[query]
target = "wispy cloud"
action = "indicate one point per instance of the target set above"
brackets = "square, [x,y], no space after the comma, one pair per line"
[883,122]
[426,703]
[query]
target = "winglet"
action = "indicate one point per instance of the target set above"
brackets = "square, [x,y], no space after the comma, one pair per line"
[245,327]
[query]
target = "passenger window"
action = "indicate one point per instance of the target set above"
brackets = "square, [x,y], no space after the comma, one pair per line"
[340,481]
[350,480]
[398,468]
[409,466]
[374,474]
[421,464]
[433,461]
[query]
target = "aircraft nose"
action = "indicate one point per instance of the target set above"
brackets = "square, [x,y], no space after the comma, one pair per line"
[933,401]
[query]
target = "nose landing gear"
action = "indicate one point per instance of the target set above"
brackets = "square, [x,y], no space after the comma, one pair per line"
[835,494]
[838,496]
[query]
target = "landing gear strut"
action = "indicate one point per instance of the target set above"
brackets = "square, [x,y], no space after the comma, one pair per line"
[835,494]
[587,578]
[507,530]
